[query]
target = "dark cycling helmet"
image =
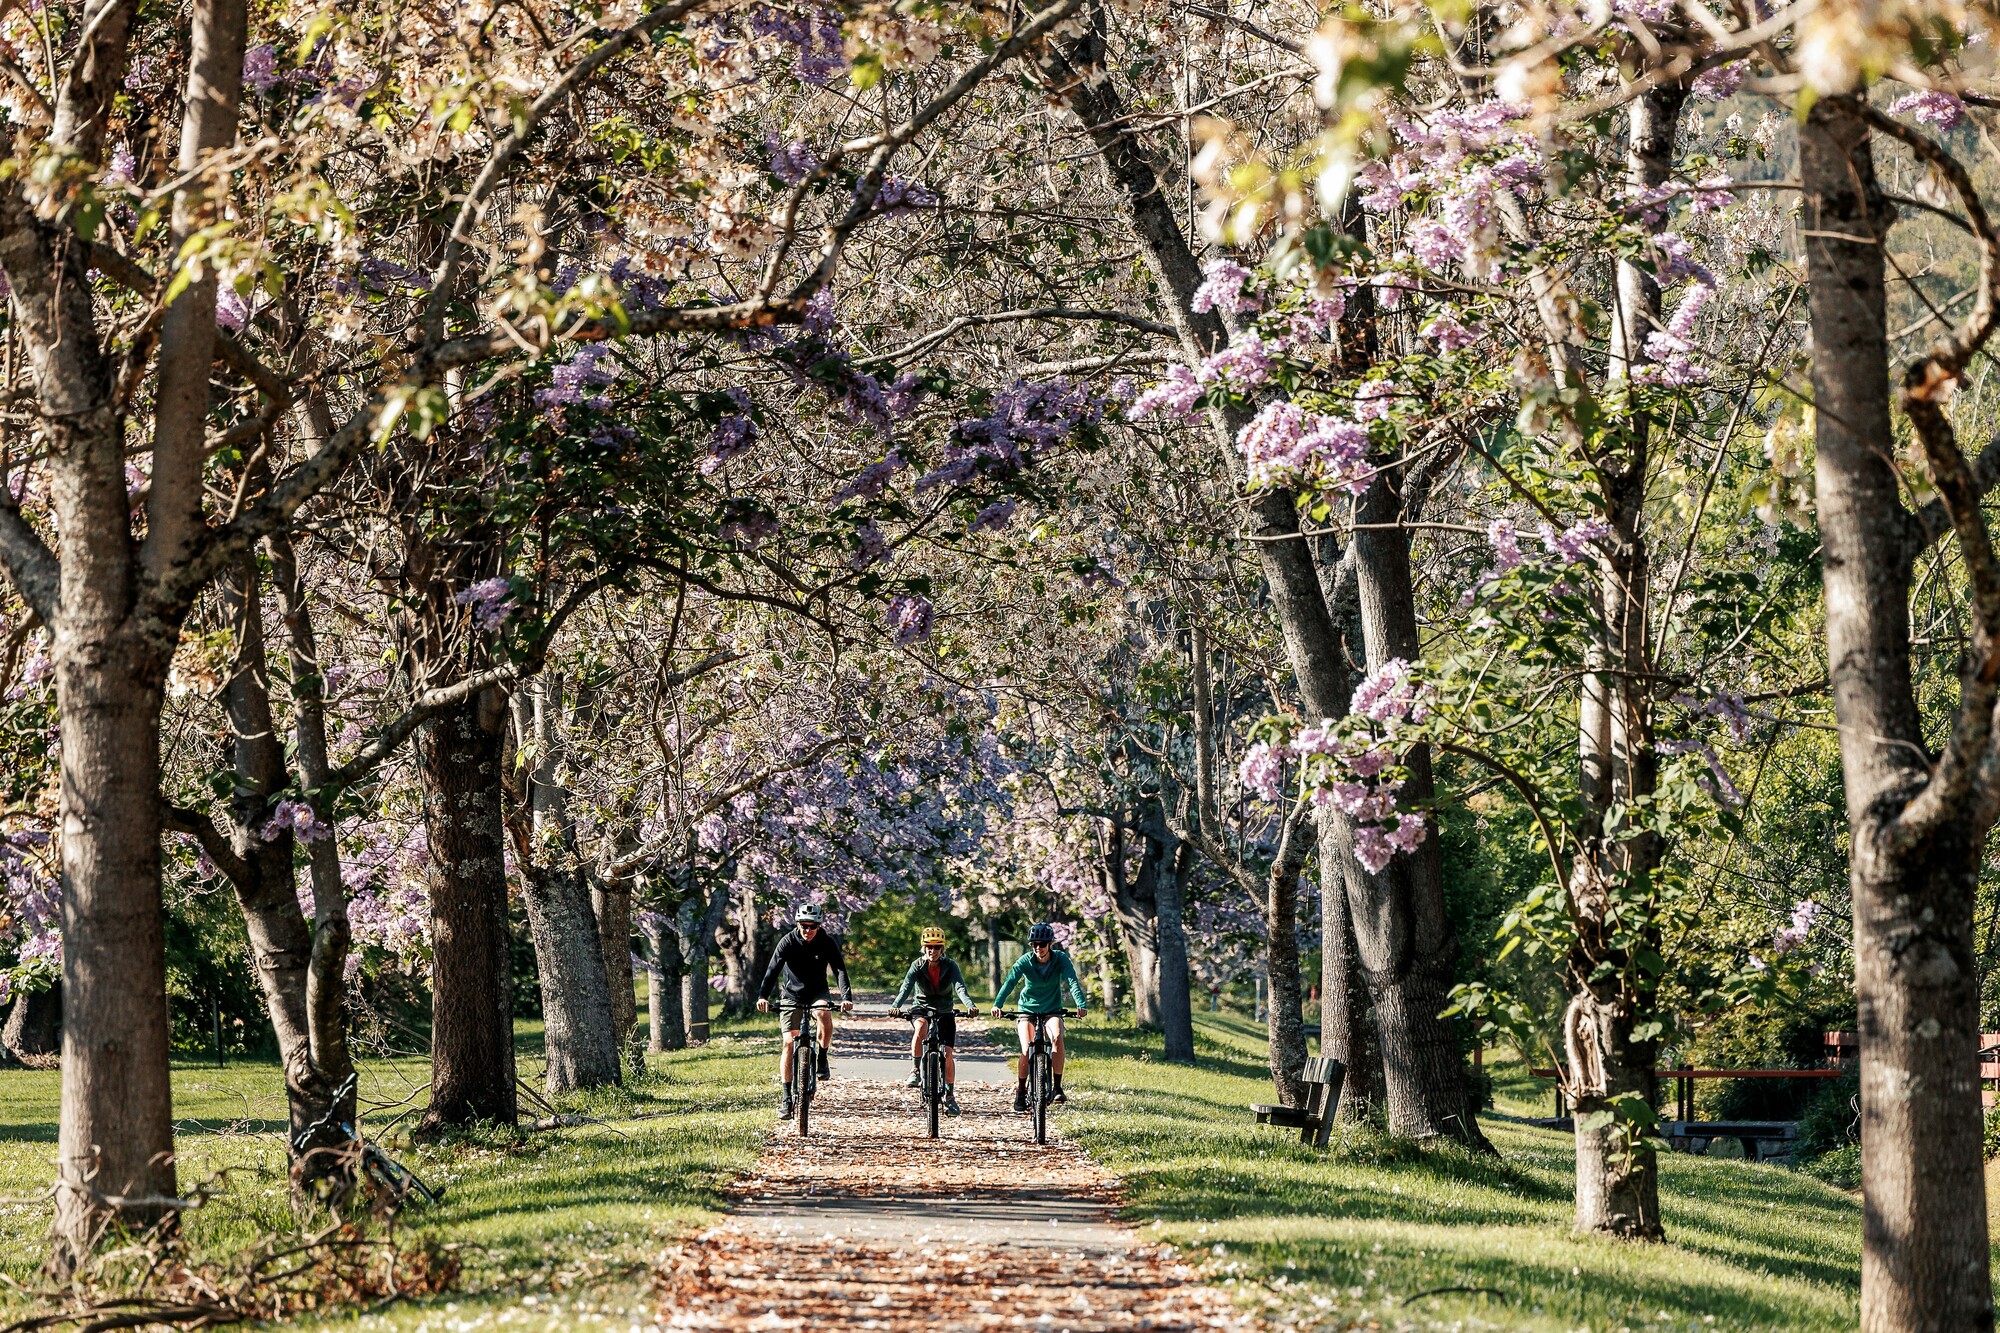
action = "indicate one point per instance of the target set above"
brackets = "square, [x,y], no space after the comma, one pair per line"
[810,912]
[1041,933]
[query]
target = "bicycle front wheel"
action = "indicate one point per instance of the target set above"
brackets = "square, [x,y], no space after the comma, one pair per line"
[933,1090]
[804,1075]
[1038,1094]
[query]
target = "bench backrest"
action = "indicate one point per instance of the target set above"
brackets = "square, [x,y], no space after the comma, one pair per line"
[1323,1078]
[1323,1069]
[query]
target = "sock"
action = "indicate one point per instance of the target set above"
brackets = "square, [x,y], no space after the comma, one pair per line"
[1023,1085]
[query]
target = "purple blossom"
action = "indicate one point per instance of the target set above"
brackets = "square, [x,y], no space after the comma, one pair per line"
[122,166]
[1573,543]
[1225,285]
[1713,194]
[871,481]
[1179,393]
[1930,107]
[897,195]
[1671,350]
[297,816]
[1716,782]
[490,601]
[995,516]
[592,367]
[744,523]
[814,35]
[1721,81]
[909,619]
[1263,770]
[1674,259]
[1321,313]
[1506,543]
[1391,695]
[1804,913]
[1025,419]
[1285,445]
[1372,400]
[1449,334]
[791,160]
[870,547]
[232,312]
[735,434]
[1435,245]
[1244,364]
[260,69]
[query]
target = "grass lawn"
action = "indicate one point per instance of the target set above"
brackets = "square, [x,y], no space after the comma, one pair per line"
[1365,1229]
[553,1226]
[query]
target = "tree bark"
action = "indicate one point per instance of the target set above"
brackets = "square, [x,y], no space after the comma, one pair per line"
[1347,1024]
[1924,1258]
[611,903]
[472,1026]
[1284,1017]
[33,1034]
[579,1037]
[1176,1002]
[1404,939]
[666,1018]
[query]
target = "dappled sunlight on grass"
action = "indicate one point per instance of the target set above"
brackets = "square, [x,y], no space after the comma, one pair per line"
[1374,1223]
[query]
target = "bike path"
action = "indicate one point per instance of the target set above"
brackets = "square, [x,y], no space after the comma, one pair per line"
[868,1223]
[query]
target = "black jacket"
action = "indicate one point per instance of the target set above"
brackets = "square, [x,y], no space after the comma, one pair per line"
[804,968]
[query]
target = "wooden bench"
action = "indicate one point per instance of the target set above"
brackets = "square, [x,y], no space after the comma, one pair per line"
[1314,1120]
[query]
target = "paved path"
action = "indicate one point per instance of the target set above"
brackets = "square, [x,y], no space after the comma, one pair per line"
[869,1224]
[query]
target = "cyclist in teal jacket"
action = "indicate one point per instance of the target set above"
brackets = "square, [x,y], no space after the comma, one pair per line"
[1042,973]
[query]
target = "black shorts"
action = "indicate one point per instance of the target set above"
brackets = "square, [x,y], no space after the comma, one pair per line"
[947,1027]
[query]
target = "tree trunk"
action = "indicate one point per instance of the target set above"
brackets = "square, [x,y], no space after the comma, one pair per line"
[33,1034]
[1924,1257]
[697,932]
[666,1018]
[1176,1004]
[1346,1029]
[579,1036]
[1404,939]
[472,1026]
[994,974]
[611,903]
[1107,976]
[1285,1014]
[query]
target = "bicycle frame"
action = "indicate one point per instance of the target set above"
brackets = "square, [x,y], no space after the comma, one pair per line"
[1041,1066]
[932,1064]
[805,1061]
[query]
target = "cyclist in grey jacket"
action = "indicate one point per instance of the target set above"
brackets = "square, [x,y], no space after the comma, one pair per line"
[936,980]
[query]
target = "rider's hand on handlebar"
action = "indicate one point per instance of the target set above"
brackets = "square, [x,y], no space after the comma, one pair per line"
[763,1006]
[847,1006]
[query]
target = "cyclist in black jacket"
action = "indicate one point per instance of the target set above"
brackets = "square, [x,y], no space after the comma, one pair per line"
[803,958]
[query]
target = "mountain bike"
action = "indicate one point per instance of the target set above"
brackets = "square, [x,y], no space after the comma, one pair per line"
[396,1182]
[805,1063]
[1041,1068]
[933,1061]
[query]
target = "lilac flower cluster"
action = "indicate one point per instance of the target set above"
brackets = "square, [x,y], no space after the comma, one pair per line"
[1450,334]
[1930,107]
[871,547]
[812,31]
[899,196]
[1179,393]
[1243,365]
[1721,81]
[1671,351]
[1573,543]
[1351,765]
[571,383]
[994,516]
[746,524]
[1286,446]
[260,69]
[871,481]
[232,312]
[1716,781]
[297,816]
[792,160]
[1505,540]
[1804,913]
[1725,704]
[490,601]
[735,434]
[909,619]
[1025,420]
[1226,285]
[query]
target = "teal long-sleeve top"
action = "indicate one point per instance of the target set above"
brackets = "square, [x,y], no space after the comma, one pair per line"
[1042,984]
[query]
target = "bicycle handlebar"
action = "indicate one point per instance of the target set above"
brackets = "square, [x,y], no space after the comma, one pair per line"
[924,1009]
[1053,1013]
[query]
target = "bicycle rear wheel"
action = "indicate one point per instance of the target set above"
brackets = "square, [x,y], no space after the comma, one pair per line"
[1038,1094]
[933,1089]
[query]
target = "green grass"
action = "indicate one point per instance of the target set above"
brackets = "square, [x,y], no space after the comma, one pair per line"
[554,1224]
[1373,1223]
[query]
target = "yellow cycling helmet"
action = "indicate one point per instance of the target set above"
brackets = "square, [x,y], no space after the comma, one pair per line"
[933,935]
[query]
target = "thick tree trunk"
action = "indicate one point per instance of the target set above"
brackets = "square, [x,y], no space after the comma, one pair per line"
[1107,972]
[666,1019]
[116,1140]
[33,1034]
[1404,939]
[1924,1258]
[1176,1004]
[578,1025]
[1347,1024]
[611,902]
[472,1026]
[1284,1017]
[994,973]
[698,924]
